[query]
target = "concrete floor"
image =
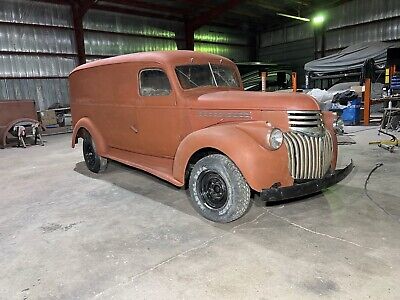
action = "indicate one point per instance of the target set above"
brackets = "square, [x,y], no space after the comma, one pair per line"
[67,234]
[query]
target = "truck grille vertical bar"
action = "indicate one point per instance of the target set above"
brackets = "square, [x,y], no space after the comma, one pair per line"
[309,156]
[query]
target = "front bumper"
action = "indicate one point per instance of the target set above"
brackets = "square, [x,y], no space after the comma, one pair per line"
[307,188]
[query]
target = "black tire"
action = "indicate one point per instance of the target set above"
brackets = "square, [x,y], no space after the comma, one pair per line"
[94,162]
[218,190]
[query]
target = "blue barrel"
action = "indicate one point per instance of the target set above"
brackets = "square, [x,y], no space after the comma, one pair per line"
[351,114]
[395,83]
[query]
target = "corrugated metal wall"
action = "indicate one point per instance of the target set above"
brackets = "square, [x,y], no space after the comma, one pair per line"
[110,34]
[37,51]
[230,43]
[293,46]
[363,21]
[37,45]
[348,24]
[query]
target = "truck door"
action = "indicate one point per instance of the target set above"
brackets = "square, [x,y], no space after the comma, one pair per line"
[158,115]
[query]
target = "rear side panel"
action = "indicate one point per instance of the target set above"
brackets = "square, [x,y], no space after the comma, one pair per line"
[106,95]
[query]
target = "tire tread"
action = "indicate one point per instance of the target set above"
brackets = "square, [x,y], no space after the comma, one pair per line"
[237,183]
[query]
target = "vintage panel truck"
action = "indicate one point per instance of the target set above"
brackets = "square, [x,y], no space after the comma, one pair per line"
[183,116]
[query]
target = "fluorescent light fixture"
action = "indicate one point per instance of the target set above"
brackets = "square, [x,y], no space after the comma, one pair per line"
[294,17]
[317,20]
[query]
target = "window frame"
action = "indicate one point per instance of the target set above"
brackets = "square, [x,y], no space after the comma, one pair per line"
[153,69]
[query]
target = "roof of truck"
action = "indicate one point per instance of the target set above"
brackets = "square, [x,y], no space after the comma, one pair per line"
[168,57]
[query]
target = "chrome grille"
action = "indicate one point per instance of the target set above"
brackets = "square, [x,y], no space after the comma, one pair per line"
[309,156]
[308,121]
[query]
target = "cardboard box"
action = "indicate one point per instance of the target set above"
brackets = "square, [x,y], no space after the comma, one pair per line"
[48,118]
[68,119]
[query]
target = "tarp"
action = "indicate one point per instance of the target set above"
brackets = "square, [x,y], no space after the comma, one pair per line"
[351,58]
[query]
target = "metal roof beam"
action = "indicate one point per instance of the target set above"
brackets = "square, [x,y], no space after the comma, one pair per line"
[150,6]
[213,13]
[131,11]
[269,6]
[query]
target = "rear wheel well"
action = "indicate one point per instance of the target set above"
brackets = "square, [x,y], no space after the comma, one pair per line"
[80,134]
[199,154]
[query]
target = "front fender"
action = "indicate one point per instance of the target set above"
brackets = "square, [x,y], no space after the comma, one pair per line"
[260,167]
[328,118]
[87,124]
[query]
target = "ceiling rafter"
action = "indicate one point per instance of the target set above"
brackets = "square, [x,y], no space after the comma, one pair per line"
[132,11]
[267,5]
[138,4]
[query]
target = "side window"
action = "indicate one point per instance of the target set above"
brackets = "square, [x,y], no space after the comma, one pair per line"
[154,82]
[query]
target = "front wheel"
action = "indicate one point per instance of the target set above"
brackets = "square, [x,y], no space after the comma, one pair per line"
[94,162]
[218,190]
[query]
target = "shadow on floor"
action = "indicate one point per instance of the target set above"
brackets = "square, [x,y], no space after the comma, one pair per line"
[152,187]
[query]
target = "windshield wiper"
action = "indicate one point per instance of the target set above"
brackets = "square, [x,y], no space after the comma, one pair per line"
[222,77]
[212,73]
[190,80]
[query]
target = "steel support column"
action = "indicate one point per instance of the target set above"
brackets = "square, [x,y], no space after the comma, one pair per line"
[189,36]
[367,101]
[79,35]
[79,9]
[294,82]
[203,19]
[323,41]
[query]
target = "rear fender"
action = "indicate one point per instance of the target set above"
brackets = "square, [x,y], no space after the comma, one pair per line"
[86,124]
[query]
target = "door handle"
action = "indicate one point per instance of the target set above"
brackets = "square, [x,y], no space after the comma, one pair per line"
[135,130]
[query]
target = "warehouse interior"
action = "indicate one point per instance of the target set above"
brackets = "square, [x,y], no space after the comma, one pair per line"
[126,225]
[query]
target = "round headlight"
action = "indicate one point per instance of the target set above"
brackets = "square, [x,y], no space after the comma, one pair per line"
[275,139]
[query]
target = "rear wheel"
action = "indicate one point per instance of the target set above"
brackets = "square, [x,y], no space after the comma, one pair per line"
[218,190]
[94,162]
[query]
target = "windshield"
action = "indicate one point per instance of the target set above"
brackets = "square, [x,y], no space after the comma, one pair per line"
[192,76]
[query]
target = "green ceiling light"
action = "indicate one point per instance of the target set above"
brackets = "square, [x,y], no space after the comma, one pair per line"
[318,20]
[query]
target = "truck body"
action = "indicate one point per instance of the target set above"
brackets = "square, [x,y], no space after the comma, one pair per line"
[163,112]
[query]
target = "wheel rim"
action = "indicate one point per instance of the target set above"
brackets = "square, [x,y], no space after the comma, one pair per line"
[212,189]
[89,153]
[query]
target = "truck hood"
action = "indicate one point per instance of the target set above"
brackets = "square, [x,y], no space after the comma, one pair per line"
[254,100]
